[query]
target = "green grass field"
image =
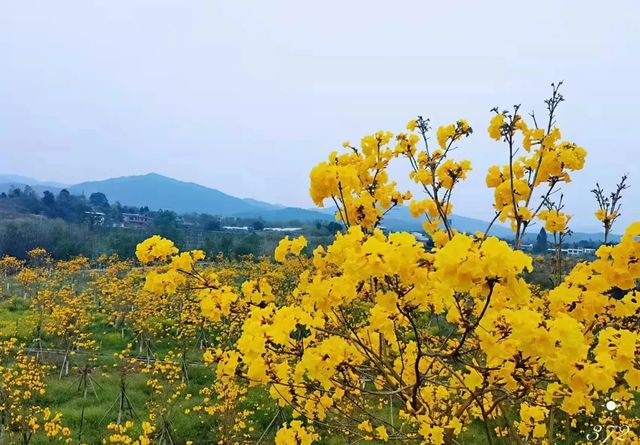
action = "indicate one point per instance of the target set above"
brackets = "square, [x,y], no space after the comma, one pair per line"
[91,413]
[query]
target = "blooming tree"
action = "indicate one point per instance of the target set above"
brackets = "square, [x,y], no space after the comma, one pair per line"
[383,338]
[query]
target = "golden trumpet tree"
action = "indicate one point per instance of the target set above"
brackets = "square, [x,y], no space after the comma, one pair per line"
[383,338]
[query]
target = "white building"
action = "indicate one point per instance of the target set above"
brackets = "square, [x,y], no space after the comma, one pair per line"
[575,251]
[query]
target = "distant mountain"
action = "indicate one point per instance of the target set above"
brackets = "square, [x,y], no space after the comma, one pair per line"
[6,187]
[288,214]
[575,237]
[160,192]
[399,218]
[263,205]
[25,180]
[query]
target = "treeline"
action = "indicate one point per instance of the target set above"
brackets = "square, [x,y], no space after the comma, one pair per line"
[96,210]
[64,240]
[69,225]
[70,208]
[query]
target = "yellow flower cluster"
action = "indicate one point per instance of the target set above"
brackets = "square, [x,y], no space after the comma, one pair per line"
[496,126]
[289,247]
[10,266]
[357,181]
[436,173]
[547,161]
[380,432]
[554,221]
[296,434]
[603,216]
[38,257]
[122,434]
[155,248]
[258,292]
[21,383]
[532,421]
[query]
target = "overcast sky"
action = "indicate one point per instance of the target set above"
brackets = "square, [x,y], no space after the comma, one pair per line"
[247,96]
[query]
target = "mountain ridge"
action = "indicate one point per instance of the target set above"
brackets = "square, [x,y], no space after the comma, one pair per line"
[26,180]
[162,192]
[157,192]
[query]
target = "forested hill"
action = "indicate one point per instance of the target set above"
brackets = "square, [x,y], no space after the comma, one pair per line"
[153,192]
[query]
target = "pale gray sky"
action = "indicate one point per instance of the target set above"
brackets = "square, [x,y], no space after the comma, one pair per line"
[247,96]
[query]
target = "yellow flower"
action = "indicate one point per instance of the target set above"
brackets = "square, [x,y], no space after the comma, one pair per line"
[495,127]
[155,248]
[365,426]
[445,133]
[289,247]
[382,434]
[555,221]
